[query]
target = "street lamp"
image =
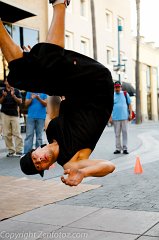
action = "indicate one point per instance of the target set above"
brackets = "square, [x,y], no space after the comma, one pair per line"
[120,64]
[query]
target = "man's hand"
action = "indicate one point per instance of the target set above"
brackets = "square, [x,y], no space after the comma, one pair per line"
[27,49]
[74,177]
[4,93]
[12,92]
[130,117]
[33,95]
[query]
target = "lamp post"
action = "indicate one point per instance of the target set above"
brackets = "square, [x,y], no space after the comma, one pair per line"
[137,71]
[118,66]
[119,30]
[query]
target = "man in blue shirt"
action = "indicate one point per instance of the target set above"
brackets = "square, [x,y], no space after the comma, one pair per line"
[122,112]
[36,103]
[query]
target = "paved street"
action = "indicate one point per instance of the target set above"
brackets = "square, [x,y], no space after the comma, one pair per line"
[123,205]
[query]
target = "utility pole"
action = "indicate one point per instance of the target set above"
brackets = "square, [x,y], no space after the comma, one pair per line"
[118,66]
[94,30]
[119,60]
[137,70]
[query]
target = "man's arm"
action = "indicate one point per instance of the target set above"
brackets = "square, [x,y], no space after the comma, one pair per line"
[18,99]
[53,107]
[129,106]
[2,97]
[79,170]
[28,101]
[130,111]
[42,101]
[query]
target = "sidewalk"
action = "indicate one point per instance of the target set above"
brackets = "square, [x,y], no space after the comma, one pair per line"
[78,222]
[122,205]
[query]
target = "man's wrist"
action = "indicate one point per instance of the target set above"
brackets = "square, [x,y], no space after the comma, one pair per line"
[83,172]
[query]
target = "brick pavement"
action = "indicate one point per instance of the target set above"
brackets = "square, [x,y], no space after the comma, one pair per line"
[19,195]
[123,190]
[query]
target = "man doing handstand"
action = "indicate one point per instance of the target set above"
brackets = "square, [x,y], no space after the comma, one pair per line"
[87,85]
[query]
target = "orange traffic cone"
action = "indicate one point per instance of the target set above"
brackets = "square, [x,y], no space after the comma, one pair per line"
[138,168]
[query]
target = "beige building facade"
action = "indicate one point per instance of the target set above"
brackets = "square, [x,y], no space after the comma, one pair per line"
[149,79]
[112,43]
[79,30]
[114,46]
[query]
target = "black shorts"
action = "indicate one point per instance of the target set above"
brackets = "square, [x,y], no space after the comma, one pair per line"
[50,69]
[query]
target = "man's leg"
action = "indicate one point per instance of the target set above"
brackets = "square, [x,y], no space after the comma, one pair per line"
[39,128]
[7,131]
[9,49]
[117,130]
[56,34]
[124,134]
[16,132]
[28,142]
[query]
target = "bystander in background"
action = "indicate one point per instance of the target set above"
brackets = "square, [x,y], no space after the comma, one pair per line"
[1,129]
[36,103]
[122,112]
[10,99]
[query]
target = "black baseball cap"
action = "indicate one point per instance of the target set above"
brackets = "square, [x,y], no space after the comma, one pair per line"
[27,165]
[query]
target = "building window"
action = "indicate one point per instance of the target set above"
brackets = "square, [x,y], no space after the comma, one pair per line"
[109,55]
[84,46]
[149,108]
[16,35]
[157,78]
[30,36]
[21,36]
[108,20]
[148,77]
[83,8]
[8,28]
[69,40]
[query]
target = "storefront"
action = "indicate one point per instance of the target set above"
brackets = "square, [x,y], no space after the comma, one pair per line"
[21,35]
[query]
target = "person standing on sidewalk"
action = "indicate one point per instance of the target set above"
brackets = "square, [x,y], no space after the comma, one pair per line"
[122,112]
[10,99]
[36,103]
[1,129]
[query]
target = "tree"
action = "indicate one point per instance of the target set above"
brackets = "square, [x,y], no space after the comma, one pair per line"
[137,70]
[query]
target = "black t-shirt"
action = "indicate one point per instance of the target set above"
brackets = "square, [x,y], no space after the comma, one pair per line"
[9,105]
[79,125]
[56,71]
